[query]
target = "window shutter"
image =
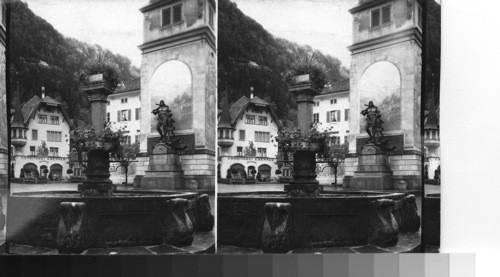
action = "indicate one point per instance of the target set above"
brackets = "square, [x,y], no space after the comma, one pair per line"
[118,116]
[338,115]
[327,117]
[129,114]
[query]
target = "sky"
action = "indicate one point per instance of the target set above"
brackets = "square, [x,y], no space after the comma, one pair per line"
[325,25]
[114,24]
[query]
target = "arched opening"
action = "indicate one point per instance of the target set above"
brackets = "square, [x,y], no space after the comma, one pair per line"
[265,172]
[56,171]
[251,172]
[30,170]
[237,171]
[43,170]
[172,83]
[381,83]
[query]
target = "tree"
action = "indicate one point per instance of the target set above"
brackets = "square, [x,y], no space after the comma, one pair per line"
[334,155]
[126,155]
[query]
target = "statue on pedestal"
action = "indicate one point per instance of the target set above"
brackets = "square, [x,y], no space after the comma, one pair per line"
[374,127]
[165,125]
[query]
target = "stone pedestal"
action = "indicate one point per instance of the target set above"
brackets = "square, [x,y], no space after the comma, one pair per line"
[304,183]
[373,170]
[98,182]
[164,170]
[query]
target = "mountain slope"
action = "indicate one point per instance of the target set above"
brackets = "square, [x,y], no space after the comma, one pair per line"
[41,56]
[249,56]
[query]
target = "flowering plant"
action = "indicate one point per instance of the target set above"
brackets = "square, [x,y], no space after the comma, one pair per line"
[82,140]
[291,139]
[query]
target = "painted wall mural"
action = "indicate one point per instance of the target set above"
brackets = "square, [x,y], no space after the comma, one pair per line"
[381,83]
[172,82]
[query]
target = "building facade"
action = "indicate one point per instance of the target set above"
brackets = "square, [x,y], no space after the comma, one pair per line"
[124,112]
[245,138]
[40,133]
[4,144]
[331,110]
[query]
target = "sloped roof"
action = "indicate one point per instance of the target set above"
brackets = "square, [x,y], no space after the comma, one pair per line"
[431,123]
[30,107]
[238,107]
[18,120]
[225,117]
[339,86]
[131,85]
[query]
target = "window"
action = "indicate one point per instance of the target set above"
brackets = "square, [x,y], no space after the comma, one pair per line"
[381,16]
[124,100]
[386,14]
[42,119]
[108,117]
[336,140]
[316,103]
[263,120]
[177,13]
[346,114]
[262,152]
[242,134]
[124,115]
[261,136]
[316,118]
[108,103]
[127,139]
[54,120]
[137,113]
[221,133]
[227,134]
[136,139]
[34,134]
[166,15]
[171,15]
[333,116]
[53,136]
[54,151]
[32,150]
[239,150]
[250,119]
[211,13]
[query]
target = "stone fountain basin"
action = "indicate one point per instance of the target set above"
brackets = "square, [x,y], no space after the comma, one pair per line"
[330,220]
[127,218]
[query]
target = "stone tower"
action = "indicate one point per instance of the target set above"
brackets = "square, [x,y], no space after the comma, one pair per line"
[179,67]
[386,69]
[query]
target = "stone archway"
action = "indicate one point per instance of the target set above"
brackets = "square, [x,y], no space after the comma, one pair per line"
[172,83]
[56,172]
[265,171]
[236,170]
[42,169]
[30,170]
[381,83]
[249,173]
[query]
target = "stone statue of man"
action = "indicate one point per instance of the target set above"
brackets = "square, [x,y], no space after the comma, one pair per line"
[165,125]
[373,120]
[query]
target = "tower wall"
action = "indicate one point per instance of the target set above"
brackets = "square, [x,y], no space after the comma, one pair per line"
[397,44]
